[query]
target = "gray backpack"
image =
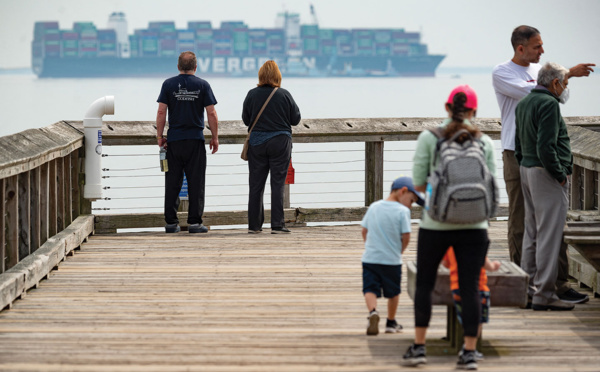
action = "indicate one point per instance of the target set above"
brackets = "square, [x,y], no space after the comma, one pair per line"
[462,189]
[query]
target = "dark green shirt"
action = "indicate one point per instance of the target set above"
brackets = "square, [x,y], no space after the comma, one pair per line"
[542,139]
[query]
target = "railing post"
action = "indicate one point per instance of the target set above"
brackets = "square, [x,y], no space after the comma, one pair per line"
[575,202]
[35,209]
[286,196]
[75,190]
[52,198]
[68,190]
[60,194]
[44,202]
[2,225]
[24,215]
[588,189]
[373,172]
[85,205]
[12,222]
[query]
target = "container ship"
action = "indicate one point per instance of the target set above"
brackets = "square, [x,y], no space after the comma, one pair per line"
[231,50]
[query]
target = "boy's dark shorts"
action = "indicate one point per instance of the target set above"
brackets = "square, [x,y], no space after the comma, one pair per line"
[485,305]
[378,278]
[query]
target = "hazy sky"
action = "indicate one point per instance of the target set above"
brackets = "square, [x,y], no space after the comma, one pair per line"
[469,32]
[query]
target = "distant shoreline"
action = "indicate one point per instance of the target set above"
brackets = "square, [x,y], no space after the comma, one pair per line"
[16,71]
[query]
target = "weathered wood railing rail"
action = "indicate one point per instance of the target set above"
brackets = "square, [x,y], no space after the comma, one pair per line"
[41,179]
[584,233]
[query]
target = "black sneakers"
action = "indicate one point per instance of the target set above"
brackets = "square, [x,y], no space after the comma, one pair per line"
[414,356]
[467,360]
[280,230]
[573,297]
[373,324]
[391,326]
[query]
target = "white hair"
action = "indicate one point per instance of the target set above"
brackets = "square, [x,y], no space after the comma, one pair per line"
[551,71]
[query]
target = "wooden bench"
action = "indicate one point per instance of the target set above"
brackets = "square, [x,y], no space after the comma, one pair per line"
[584,237]
[508,288]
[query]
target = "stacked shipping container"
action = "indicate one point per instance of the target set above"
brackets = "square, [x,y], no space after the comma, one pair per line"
[162,39]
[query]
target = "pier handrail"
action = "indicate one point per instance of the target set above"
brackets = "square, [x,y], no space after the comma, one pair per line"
[42,176]
[39,188]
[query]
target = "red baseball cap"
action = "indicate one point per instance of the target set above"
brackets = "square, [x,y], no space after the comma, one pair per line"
[469,92]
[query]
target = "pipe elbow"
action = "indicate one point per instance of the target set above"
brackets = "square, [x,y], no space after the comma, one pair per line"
[102,106]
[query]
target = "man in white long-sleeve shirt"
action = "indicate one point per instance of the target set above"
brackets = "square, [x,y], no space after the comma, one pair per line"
[513,80]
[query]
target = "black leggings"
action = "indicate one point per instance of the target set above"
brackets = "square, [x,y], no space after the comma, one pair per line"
[470,248]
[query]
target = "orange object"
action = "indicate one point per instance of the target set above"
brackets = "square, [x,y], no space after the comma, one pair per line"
[454,273]
[289,179]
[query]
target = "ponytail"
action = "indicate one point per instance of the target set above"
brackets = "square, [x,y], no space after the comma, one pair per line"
[458,110]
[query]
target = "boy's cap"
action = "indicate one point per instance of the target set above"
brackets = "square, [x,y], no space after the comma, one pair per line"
[408,183]
[469,92]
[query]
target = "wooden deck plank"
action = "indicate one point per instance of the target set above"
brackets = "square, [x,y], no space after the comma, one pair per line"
[229,301]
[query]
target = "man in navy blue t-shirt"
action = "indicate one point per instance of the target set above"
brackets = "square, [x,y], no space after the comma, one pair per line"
[185,97]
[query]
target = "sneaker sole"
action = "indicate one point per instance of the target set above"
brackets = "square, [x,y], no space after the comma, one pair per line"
[373,329]
[575,301]
[469,366]
[414,361]
[550,307]
[279,232]
[393,330]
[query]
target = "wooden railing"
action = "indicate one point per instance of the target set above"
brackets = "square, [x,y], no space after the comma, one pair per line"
[40,188]
[44,216]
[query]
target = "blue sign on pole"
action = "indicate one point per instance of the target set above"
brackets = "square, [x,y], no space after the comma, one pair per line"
[183,193]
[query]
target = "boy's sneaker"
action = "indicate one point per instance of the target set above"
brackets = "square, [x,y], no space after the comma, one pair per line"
[414,356]
[197,228]
[391,326]
[280,230]
[478,356]
[373,326]
[254,231]
[172,228]
[467,360]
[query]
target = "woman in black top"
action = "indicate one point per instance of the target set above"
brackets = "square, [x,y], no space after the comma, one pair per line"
[270,146]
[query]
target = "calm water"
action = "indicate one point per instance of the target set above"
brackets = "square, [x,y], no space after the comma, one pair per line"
[327,175]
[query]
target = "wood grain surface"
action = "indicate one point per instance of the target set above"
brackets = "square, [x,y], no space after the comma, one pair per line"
[230,301]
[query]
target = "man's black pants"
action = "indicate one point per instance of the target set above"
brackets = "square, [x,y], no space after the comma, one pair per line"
[187,156]
[272,156]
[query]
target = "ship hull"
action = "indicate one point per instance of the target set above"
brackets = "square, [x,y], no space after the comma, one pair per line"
[307,66]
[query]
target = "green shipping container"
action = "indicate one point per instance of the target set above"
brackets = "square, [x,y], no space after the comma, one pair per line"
[364,43]
[150,45]
[70,43]
[309,30]
[238,47]
[311,44]
[326,34]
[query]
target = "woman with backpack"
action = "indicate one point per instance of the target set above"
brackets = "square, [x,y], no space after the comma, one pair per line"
[454,156]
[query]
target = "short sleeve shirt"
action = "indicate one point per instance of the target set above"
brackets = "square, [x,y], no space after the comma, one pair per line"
[385,221]
[186,96]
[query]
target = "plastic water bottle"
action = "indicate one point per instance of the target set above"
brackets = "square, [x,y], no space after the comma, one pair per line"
[164,164]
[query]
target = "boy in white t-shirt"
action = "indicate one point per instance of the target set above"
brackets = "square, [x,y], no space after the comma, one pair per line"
[386,232]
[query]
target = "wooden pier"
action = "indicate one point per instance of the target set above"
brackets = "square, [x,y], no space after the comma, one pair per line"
[229,301]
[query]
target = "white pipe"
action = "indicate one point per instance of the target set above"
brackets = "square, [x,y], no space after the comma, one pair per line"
[92,129]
